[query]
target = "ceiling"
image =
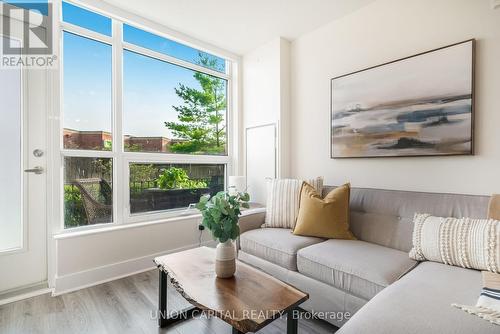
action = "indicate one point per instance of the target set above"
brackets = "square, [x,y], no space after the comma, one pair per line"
[240,26]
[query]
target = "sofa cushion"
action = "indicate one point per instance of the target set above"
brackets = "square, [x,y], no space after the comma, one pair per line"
[420,302]
[385,217]
[276,245]
[324,217]
[357,267]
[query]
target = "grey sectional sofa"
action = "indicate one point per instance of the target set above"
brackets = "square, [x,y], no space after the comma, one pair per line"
[373,278]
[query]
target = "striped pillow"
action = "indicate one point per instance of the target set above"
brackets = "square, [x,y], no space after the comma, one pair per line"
[465,242]
[283,196]
[488,304]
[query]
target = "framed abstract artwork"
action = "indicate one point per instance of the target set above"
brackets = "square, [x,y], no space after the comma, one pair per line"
[421,105]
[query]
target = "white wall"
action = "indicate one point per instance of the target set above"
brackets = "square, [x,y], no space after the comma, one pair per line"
[90,258]
[284,149]
[266,89]
[382,31]
[261,85]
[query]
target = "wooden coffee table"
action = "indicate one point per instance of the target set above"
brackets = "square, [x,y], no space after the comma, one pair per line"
[248,301]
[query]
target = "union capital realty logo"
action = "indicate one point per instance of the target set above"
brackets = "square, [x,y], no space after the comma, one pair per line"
[27,39]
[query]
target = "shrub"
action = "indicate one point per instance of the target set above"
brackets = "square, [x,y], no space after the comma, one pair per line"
[177,178]
[74,211]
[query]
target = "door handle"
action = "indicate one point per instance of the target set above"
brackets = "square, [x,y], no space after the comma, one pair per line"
[37,170]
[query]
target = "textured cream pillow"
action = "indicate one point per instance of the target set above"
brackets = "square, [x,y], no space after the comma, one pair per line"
[464,242]
[283,197]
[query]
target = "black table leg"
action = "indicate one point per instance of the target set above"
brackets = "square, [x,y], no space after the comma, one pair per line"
[162,302]
[163,316]
[292,322]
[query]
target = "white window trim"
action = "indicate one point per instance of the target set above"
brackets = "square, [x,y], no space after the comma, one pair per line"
[111,11]
[175,61]
[121,159]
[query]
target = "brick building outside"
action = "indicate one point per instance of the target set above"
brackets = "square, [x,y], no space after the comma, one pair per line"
[102,140]
[87,140]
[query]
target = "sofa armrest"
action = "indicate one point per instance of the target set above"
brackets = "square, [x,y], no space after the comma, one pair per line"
[251,219]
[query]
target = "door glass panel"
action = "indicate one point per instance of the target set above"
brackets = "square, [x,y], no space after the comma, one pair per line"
[11,220]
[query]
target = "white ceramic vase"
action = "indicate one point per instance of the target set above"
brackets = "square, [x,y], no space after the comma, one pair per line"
[225,259]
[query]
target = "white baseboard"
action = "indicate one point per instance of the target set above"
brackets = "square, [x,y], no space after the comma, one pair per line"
[21,296]
[90,277]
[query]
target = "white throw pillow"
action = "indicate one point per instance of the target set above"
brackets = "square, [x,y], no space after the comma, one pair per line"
[283,197]
[465,242]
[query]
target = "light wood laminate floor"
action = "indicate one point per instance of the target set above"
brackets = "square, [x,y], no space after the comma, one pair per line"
[126,305]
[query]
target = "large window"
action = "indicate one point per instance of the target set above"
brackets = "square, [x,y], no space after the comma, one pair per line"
[88,192]
[171,48]
[86,19]
[159,187]
[168,108]
[87,93]
[144,124]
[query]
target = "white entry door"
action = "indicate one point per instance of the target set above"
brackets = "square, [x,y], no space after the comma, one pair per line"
[23,228]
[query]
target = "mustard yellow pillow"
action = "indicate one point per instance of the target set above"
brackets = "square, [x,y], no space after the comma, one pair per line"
[324,218]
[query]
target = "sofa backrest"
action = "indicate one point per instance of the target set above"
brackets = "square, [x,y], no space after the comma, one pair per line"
[385,217]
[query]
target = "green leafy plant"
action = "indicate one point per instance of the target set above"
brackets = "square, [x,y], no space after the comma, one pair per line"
[177,178]
[74,211]
[221,213]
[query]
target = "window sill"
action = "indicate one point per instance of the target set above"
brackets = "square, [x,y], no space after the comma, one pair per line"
[67,234]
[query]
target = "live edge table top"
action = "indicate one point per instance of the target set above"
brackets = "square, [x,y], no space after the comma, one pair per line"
[248,301]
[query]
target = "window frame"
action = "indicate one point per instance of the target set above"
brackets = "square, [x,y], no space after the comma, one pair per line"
[120,158]
[158,215]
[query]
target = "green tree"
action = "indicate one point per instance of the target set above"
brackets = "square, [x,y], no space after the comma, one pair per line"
[200,126]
